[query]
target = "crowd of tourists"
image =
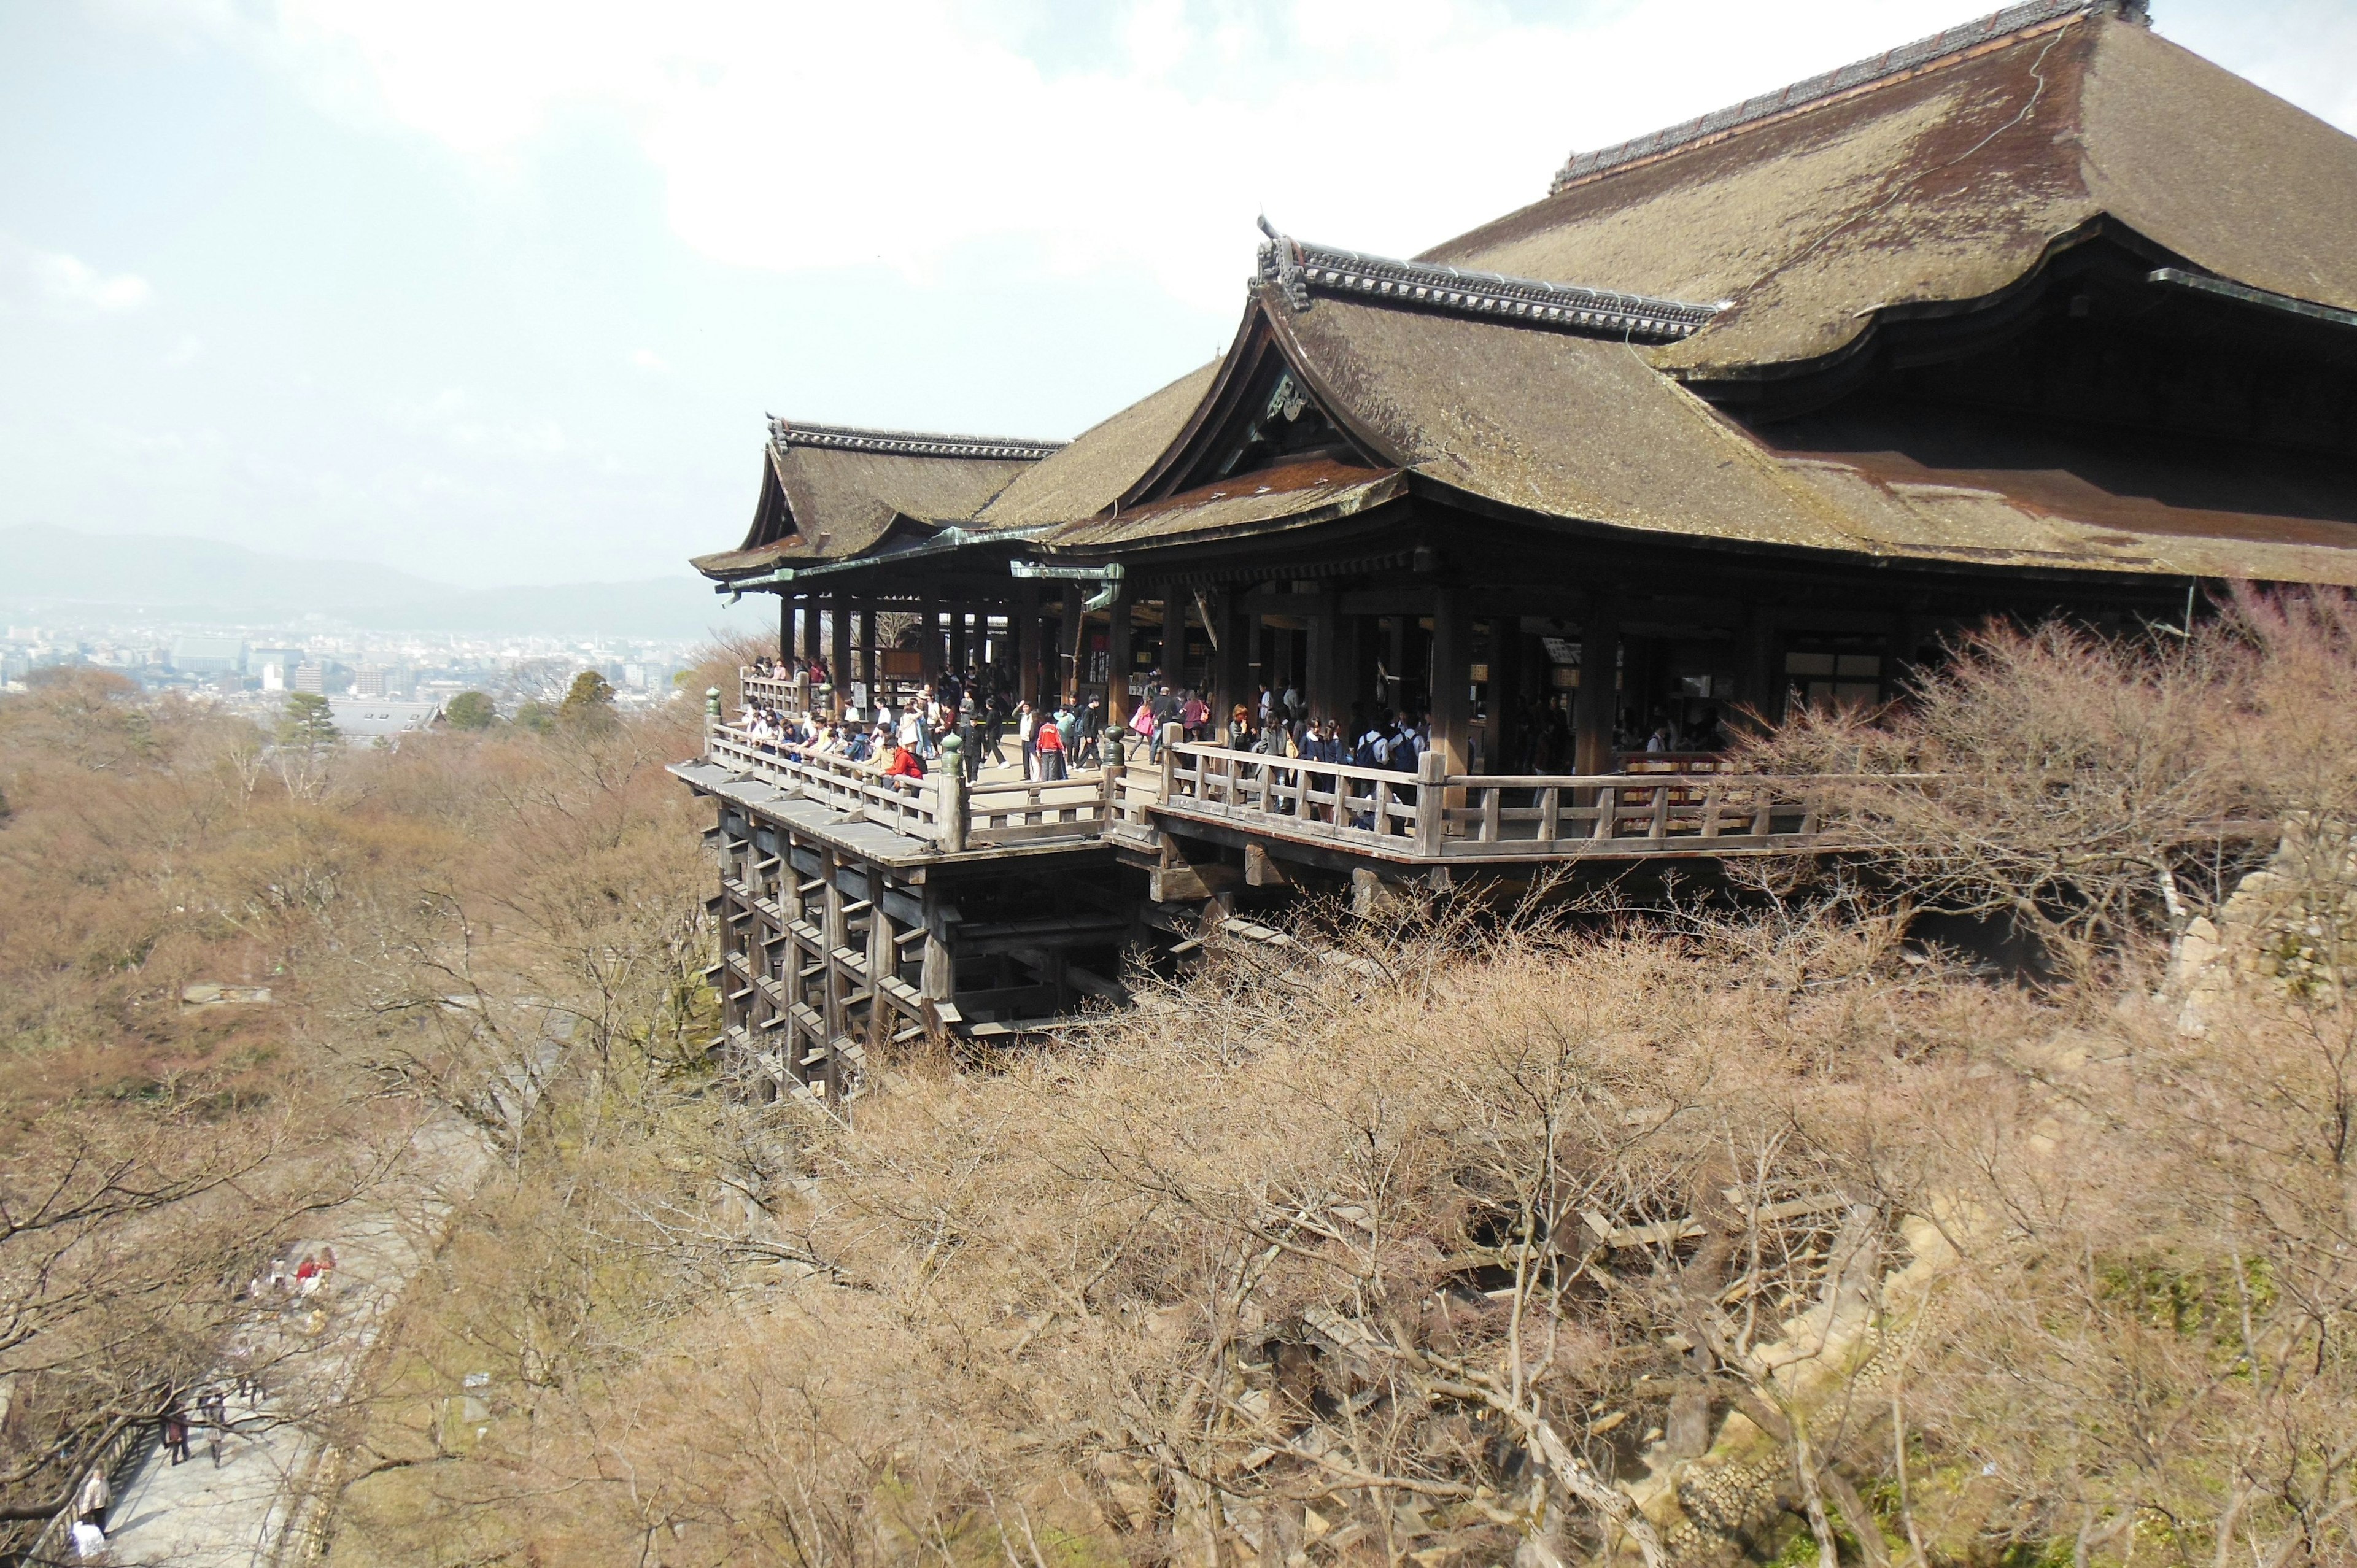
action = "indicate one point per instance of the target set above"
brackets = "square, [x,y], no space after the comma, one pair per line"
[907,733]
[972,719]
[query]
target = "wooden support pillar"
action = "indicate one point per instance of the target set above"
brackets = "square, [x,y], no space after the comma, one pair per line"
[1170,651]
[838,658]
[868,653]
[929,638]
[1395,665]
[1594,708]
[1505,740]
[834,930]
[1119,631]
[1026,644]
[785,625]
[883,955]
[1452,679]
[1755,681]
[1230,660]
[790,895]
[1905,638]
[1322,682]
[1071,634]
[937,982]
[957,638]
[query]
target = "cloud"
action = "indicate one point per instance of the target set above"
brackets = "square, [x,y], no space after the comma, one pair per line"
[454,418]
[797,134]
[649,360]
[55,283]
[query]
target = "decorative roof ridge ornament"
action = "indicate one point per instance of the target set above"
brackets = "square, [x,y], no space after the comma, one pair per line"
[1995,27]
[1301,271]
[1280,264]
[909,443]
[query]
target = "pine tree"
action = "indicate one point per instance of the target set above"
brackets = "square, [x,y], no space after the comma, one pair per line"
[308,722]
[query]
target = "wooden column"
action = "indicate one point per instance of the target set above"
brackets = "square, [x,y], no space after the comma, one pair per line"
[1026,644]
[1171,655]
[790,895]
[867,655]
[1452,677]
[1322,680]
[1592,710]
[957,638]
[1227,660]
[1118,659]
[1755,683]
[785,623]
[883,961]
[1906,636]
[929,637]
[1070,635]
[838,658]
[937,978]
[1395,662]
[1505,694]
[835,933]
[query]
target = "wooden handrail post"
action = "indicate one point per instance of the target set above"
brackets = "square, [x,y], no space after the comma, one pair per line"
[1431,801]
[1113,772]
[1173,736]
[949,810]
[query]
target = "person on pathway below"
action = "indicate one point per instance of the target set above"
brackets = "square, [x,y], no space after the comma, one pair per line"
[96,1497]
[214,1408]
[176,1433]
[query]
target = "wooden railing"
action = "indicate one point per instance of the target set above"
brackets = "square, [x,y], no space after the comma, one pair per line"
[1322,802]
[910,806]
[1430,815]
[940,807]
[791,695]
[1436,815]
[1544,816]
[1016,811]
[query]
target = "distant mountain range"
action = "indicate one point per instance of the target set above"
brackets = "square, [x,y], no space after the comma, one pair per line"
[50,571]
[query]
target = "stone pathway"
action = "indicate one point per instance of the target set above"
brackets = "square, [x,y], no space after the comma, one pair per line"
[249,1510]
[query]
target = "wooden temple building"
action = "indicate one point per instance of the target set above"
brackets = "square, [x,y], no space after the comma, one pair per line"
[2043,315]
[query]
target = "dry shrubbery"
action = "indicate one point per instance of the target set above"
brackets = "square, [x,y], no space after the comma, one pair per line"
[1736,1230]
[2090,792]
[416,916]
[1741,1229]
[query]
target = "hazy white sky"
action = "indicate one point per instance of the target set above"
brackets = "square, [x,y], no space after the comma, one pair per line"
[500,290]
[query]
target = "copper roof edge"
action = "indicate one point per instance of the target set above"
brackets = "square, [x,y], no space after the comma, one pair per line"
[909,443]
[1966,40]
[1300,272]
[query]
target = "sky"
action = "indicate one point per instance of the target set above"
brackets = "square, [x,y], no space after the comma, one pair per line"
[499,291]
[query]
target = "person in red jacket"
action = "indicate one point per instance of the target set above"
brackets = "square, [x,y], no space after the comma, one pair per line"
[1048,747]
[905,764]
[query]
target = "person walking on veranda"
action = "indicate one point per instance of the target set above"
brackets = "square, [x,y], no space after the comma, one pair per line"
[1048,747]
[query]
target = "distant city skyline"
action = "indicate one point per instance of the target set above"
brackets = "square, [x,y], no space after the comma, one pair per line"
[499,291]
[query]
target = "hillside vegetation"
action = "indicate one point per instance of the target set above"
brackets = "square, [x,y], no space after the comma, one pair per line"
[1755,1227]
